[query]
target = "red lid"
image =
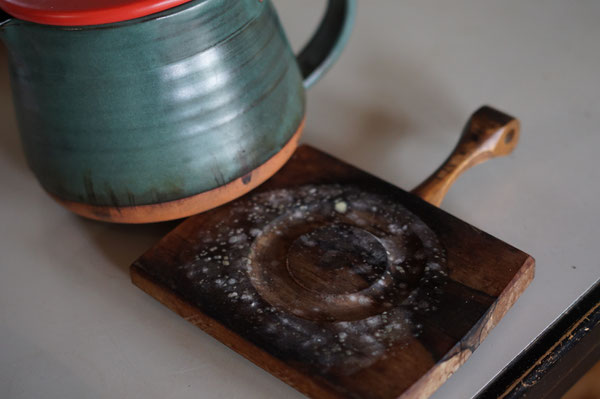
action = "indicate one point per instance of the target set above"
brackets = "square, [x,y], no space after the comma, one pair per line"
[84,12]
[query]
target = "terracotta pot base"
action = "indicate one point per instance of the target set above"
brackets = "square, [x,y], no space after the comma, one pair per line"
[190,205]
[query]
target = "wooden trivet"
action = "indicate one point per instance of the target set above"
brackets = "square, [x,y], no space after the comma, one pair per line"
[343,285]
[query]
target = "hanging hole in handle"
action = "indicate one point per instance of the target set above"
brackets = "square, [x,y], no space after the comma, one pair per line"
[509,136]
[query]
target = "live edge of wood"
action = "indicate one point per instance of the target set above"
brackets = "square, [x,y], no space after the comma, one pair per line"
[485,272]
[431,381]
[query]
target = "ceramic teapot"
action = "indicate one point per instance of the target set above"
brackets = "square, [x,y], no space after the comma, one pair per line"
[140,111]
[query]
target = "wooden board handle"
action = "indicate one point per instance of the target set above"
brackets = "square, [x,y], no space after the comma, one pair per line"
[489,133]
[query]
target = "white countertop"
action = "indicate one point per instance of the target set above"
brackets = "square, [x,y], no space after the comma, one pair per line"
[73,326]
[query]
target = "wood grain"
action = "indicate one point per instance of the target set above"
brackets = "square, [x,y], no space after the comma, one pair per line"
[489,133]
[260,274]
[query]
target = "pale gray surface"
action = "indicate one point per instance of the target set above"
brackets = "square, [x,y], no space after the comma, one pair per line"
[72,326]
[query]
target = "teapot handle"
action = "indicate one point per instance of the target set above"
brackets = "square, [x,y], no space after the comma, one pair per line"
[328,41]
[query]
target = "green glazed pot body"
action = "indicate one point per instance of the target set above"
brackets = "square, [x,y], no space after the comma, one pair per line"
[155,109]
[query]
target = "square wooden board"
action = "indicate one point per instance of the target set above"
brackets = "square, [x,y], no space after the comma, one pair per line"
[398,329]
